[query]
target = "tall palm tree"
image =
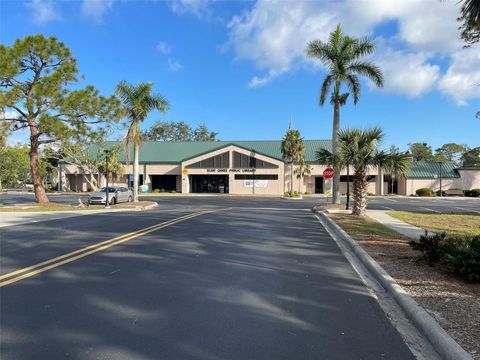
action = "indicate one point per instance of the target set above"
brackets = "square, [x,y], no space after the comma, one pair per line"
[293,148]
[138,101]
[359,148]
[342,55]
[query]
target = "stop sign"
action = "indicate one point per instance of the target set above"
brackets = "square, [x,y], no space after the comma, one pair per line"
[328,173]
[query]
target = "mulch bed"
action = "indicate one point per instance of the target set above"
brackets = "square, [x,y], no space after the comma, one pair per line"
[454,303]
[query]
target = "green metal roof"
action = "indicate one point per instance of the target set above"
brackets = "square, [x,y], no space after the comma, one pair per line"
[430,170]
[176,152]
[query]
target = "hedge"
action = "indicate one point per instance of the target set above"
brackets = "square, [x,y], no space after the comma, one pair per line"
[459,255]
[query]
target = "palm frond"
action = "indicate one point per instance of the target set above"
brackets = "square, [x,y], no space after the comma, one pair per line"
[367,69]
[363,47]
[327,82]
[353,84]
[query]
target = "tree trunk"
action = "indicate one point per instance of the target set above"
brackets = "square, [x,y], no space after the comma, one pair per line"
[359,192]
[336,168]
[91,181]
[136,150]
[40,195]
[291,177]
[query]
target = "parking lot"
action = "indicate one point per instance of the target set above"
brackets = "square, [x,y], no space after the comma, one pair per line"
[425,205]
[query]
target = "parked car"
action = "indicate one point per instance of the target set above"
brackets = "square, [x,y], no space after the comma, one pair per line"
[115,195]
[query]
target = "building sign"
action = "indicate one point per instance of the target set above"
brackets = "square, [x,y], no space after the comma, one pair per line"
[258,183]
[234,171]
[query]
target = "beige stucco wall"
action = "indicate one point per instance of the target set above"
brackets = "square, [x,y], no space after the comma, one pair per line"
[469,179]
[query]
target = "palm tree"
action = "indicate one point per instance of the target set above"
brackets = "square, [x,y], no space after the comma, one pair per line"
[303,168]
[138,101]
[359,148]
[342,54]
[292,150]
[470,18]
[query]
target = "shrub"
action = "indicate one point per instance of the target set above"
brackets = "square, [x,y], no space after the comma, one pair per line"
[463,257]
[292,194]
[472,193]
[459,255]
[156,190]
[430,246]
[424,192]
[307,193]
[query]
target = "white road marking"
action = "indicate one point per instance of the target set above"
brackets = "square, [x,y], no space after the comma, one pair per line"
[435,211]
[392,200]
[467,210]
[386,207]
[277,209]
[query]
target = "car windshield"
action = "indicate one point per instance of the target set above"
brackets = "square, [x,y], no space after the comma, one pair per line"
[110,189]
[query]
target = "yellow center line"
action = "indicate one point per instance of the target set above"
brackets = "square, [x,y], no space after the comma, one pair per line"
[89,250]
[86,248]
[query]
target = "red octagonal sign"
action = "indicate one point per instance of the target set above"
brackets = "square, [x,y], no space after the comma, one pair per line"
[328,173]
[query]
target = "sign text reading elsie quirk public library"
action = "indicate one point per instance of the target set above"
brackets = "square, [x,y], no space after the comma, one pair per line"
[230,170]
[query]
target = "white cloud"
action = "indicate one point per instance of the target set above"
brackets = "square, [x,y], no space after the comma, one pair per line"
[96,9]
[164,48]
[407,73]
[273,35]
[425,25]
[174,65]
[259,81]
[199,8]
[43,11]
[462,79]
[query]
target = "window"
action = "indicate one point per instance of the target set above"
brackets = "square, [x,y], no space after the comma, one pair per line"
[242,161]
[220,161]
[256,177]
[343,178]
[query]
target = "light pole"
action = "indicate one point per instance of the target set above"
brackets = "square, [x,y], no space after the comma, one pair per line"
[107,202]
[441,179]
[348,187]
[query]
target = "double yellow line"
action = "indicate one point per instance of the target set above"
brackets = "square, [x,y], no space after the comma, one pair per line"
[30,271]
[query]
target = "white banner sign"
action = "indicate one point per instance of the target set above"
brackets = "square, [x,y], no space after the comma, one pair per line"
[258,183]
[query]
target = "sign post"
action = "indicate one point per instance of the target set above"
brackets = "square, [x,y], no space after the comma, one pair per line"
[329,173]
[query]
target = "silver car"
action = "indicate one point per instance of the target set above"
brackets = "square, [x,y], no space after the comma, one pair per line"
[115,195]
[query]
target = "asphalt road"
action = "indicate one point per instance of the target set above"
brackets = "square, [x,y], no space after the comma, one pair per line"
[414,204]
[261,280]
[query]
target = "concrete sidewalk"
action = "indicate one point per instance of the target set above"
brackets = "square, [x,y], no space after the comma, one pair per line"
[399,226]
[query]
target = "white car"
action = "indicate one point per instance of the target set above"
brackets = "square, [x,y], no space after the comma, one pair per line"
[115,195]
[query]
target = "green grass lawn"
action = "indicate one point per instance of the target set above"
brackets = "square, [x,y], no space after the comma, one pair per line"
[364,226]
[455,224]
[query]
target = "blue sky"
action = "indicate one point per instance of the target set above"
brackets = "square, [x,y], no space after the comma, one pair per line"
[240,67]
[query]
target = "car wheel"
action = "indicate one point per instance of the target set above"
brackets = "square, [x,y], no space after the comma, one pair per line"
[130,199]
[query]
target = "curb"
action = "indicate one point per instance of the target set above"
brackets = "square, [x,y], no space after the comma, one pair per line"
[443,343]
[148,207]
